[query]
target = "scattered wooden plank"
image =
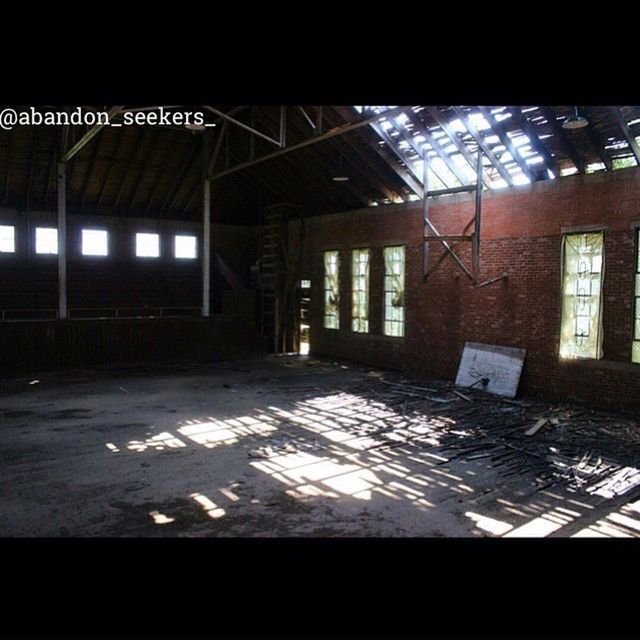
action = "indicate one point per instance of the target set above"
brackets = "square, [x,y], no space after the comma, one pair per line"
[461,395]
[536,427]
[402,385]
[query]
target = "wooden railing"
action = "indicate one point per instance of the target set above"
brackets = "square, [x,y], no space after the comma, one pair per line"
[100,313]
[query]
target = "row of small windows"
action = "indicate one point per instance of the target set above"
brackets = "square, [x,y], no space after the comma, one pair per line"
[394,266]
[95,242]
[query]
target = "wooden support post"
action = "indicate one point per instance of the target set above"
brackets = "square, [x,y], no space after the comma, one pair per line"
[62,241]
[206,247]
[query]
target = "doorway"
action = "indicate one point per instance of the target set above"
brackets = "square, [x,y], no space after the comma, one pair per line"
[304,299]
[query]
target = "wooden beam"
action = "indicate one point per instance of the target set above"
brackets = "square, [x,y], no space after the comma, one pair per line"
[506,141]
[482,143]
[530,130]
[622,123]
[7,170]
[242,125]
[565,142]
[93,131]
[378,185]
[216,151]
[132,156]
[163,169]
[107,173]
[382,189]
[52,169]
[415,185]
[435,113]
[320,167]
[337,131]
[403,173]
[145,166]
[420,127]
[34,153]
[597,143]
[90,168]
[188,163]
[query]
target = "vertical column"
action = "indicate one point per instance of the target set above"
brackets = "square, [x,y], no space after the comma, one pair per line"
[475,245]
[425,210]
[62,241]
[206,246]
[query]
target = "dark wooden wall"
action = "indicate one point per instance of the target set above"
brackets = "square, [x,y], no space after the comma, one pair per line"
[29,280]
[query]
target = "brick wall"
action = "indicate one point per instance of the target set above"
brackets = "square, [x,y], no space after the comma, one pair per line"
[521,236]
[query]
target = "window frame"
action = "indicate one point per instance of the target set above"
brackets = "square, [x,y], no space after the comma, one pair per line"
[325,290]
[384,292]
[599,325]
[367,291]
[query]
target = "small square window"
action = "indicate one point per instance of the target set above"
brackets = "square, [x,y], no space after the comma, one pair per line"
[46,240]
[7,239]
[147,245]
[186,247]
[95,242]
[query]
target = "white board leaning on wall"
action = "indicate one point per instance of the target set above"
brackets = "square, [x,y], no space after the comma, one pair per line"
[491,368]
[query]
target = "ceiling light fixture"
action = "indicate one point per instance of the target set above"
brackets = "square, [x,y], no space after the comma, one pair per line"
[575,121]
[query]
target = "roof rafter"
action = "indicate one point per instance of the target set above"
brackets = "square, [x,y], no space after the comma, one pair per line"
[349,126]
[391,143]
[188,162]
[482,143]
[143,170]
[435,113]
[507,142]
[562,136]
[530,130]
[420,127]
[90,168]
[34,150]
[93,131]
[617,113]
[598,145]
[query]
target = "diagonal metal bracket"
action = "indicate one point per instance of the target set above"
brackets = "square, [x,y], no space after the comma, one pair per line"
[431,234]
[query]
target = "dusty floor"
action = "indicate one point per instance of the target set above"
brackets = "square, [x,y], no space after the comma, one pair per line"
[257,447]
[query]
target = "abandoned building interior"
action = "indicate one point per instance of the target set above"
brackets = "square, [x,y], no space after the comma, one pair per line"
[320,321]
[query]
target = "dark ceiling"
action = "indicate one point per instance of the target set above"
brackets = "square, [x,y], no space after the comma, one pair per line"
[148,171]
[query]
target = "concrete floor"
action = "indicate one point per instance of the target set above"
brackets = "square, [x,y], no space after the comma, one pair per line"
[252,447]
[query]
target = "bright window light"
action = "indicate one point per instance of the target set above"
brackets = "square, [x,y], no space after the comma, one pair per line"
[46,240]
[7,239]
[186,247]
[147,245]
[95,242]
